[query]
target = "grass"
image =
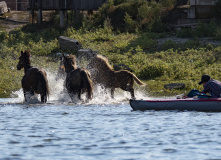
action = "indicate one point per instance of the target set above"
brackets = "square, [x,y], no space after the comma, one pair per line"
[2,28]
[156,65]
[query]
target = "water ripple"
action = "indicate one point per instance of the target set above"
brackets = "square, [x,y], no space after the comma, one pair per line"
[107,131]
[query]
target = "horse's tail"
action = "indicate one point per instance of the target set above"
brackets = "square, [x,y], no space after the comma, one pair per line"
[137,79]
[43,84]
[87,83]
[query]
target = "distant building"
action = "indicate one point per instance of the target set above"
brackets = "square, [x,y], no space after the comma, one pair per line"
[63,6]
[17,5]
[197,10]
[200,9]
[66,4]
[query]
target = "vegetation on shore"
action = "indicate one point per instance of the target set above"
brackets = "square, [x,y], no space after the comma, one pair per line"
[136,43]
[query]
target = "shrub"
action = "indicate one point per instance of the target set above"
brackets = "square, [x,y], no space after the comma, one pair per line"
[157,68]
[205,29]
[146,41]
[191,44]
[133,15]
[216,12]
[184,33]
[218,33]
[168,44]
[130,24]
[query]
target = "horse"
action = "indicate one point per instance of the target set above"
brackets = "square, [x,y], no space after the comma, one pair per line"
[35,80]
[109,78]
[78,80]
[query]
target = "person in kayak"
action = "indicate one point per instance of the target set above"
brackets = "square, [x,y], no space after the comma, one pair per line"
[211,86]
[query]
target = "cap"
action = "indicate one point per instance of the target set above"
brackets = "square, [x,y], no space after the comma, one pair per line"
[205,78]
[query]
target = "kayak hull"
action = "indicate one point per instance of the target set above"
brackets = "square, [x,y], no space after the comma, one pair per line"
[190,104]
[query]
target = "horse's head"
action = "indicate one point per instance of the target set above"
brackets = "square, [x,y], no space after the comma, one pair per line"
[68,62]
[23,59]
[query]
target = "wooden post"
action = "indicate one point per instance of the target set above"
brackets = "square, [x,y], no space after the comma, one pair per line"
[90,12]
[77,17]
[16,5]
[31,16]
[62,21]
[39,12]
[72,13]
[39,17]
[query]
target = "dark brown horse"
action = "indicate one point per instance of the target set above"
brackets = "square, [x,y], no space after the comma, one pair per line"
[34,80]
[78,80]
[109,78]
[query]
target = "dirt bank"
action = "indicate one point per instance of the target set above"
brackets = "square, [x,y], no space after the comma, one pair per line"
[12,20]
[16,19]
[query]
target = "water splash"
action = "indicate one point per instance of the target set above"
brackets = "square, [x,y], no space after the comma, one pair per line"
[58,94]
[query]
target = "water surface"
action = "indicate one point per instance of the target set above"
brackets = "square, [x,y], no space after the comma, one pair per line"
[103,129]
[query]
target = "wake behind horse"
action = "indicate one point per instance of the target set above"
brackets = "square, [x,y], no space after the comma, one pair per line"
[35,80]
[109,78]
[78,80]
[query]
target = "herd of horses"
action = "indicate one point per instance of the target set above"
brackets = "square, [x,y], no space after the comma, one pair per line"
[77,80]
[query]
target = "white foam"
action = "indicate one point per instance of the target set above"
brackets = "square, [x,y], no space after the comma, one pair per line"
[58,93]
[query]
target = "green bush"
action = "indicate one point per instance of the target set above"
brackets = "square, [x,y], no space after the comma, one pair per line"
[190,44]
[218,33]
[153,69]
[184,33]
[168,44]
[205,29]
[134,16]
[216,12]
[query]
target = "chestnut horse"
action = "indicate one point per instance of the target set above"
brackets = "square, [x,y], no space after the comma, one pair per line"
[109,78]
[34,80]
[78,80]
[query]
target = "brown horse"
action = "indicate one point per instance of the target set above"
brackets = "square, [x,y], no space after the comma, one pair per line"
[34,80]
[78,80]
[109,78]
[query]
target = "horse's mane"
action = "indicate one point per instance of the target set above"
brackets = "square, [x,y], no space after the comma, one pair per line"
[102,62]
[26,57]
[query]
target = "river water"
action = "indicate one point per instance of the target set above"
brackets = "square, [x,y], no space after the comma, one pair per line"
[103,129]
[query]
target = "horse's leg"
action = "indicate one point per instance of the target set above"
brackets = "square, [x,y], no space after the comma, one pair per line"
[32,93]
[79,94]
[25,96]
[131,90]
[28,95]
[88,97]
[71,96]
[43,98]
[112,93]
